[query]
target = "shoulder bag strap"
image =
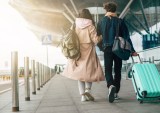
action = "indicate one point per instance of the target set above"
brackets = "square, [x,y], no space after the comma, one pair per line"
[117,30]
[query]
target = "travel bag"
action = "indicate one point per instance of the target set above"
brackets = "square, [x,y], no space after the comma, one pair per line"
[146,81]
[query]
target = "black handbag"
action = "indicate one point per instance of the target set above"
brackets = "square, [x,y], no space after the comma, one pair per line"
[121,47]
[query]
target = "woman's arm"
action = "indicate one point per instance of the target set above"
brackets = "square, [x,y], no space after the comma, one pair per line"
[93,35]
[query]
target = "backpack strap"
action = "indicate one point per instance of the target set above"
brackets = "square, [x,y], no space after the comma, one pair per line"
[73,26]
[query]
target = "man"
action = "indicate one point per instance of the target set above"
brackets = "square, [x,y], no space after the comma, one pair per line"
[107,28]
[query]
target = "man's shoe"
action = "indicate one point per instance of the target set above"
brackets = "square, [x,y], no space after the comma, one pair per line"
[112,90]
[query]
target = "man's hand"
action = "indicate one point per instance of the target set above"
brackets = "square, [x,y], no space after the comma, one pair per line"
[100,38]
[134,54]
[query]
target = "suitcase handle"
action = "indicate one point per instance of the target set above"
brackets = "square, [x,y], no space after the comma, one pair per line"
[138,57]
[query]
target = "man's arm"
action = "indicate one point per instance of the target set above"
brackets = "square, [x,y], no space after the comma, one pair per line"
[99,28]
[125,34]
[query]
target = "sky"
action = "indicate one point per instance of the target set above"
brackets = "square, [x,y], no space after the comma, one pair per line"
[15,36]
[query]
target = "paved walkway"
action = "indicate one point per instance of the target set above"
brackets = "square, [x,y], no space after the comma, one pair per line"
[60,95]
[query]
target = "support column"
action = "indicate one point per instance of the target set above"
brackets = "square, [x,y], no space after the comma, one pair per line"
[38,75]
[15,87]
[33,77]
[26,81]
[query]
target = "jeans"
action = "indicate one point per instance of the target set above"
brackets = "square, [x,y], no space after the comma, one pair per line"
[109,59]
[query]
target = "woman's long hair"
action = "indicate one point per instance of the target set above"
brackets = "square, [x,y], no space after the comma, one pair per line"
[85,13]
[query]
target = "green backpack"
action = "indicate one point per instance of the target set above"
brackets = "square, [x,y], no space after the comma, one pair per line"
[70,44]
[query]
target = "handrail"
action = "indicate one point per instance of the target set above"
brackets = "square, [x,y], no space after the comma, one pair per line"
[148,49]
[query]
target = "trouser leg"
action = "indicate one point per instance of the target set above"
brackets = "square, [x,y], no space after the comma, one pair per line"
[108,63]
[81,86]
[88,85]
[117,71]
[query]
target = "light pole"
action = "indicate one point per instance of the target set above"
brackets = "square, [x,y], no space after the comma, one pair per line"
[47,40]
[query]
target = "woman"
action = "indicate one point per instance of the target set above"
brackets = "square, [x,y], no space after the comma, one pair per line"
[87,69]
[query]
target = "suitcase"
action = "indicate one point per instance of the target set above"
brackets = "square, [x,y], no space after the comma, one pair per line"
[146,81]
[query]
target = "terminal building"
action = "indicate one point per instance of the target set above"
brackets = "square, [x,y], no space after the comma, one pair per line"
[45,23]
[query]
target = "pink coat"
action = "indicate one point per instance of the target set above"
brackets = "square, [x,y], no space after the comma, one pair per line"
[89,68]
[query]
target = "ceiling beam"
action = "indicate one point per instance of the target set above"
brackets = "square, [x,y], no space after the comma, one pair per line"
[69,11]
[26,8]
[142,25]
[75,8]
[144,16]
[125,10]
[68,17]
[133,27]
[125,13]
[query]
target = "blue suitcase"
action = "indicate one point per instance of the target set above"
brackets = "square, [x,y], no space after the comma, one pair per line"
[146,81]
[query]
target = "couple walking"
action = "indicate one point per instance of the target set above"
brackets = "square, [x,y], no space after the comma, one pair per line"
[88,68]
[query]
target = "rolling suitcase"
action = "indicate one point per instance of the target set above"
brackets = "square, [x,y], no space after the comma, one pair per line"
[146,81]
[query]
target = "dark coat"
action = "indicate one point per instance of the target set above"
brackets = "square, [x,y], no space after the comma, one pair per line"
[107,27]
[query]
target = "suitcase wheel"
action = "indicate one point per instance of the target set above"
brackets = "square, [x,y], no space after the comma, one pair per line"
[141,102]
[144,94]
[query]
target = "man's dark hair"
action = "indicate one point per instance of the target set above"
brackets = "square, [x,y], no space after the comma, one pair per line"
[110,6]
